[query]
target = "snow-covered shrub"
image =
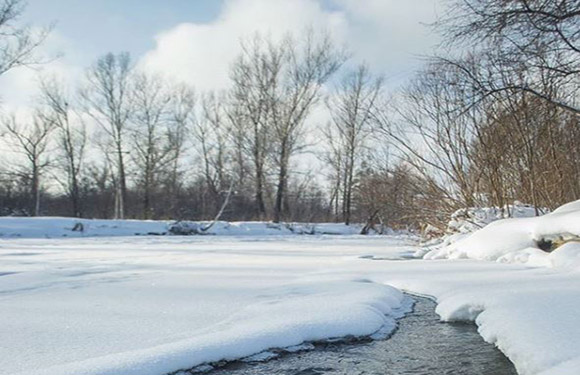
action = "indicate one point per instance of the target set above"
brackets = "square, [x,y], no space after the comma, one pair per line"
[465,221]
[431,232]
[521,239]
[468,220]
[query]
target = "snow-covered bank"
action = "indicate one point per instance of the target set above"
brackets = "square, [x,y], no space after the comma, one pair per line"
[520,239]
[465,221]
[291,316]
[530,314]
[152,305]
[52,227]
[148,305]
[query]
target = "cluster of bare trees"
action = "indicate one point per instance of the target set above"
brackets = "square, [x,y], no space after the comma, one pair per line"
[128,143]
[494,118]
[491,119]
[347,136]
[275,87]
[17,45]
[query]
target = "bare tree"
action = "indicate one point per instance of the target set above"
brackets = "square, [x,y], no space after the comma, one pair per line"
[276,85]
[253,74]
[434,137]
[151,137]
[307,64]
[332,155]
[386,196]
[182,115]
[17,44]
[352,109]
[212,141]
[108,101]
[72,138]
[238,140]
[541,37]
[31,141]
[524,151]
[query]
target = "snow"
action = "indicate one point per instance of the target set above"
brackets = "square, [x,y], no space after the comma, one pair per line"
[151,305]
[465,221]
[515,239]
[51,227]
[530,314]
[334,309]
[531,317]
[566,256]
[468,220]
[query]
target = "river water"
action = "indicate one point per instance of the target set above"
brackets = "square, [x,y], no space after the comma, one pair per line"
[421,345]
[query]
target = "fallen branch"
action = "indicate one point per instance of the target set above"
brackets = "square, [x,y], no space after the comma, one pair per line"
[221,211]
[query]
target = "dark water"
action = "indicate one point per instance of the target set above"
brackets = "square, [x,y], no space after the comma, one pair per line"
[421,345]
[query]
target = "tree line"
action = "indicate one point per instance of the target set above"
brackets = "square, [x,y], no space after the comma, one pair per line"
[490,119]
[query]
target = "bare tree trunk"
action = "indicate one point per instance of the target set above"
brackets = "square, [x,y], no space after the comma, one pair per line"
[122,190]
[35,187]
[348,188]
[260,205]
[281,188]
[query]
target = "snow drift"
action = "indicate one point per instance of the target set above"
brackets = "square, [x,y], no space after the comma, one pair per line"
[522,240]
[465,221]
[150,305]
[335,309]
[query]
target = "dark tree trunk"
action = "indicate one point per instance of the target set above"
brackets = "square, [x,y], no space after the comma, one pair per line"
[281,189]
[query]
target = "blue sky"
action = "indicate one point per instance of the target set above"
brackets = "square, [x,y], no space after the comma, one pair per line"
[99,26]
[195,40]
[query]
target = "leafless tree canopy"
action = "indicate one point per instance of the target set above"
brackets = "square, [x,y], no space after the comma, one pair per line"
[17,43]
[71,139]
[522,45]
[352,107]
[31,141]
[492,118]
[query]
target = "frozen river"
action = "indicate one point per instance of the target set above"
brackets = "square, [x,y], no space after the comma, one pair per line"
[156,305]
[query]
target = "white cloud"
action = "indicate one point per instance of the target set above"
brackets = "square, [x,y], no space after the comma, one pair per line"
[388,34]
[200,54]
[391,35]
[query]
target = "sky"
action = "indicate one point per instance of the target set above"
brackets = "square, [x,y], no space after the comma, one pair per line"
[195,40]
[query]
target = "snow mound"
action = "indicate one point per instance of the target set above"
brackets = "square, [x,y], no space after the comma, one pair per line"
[334,309]
[468,220]
[519,240]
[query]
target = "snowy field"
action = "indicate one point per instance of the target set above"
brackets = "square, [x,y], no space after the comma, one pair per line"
[151,305]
